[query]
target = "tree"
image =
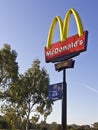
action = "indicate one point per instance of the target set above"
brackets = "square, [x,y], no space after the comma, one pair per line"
[8,69]
[59,127]
[95,126]
[35,119]
[12,118]
[53,126]
[30,93]
[3,123]
[8,73]
[43,128]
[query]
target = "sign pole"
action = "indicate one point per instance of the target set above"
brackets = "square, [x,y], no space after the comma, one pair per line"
[62,66]
[64,102]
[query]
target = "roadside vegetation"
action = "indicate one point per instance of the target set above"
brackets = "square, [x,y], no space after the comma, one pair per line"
[23,97]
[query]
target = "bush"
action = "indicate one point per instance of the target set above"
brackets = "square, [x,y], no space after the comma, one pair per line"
[58,127]
[43,128]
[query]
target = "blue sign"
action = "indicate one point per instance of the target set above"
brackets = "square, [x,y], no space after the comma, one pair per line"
[55,91]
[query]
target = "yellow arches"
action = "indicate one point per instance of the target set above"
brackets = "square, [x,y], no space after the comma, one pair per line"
[64,26]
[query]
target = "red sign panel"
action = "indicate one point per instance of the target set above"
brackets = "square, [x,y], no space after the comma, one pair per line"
[69,48]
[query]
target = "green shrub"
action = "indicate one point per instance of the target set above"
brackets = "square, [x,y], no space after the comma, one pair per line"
[58,127]
[43,128]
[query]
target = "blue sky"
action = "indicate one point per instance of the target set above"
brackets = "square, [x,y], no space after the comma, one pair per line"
[24,24]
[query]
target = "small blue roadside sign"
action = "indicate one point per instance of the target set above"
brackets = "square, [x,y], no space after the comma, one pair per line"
[55,91]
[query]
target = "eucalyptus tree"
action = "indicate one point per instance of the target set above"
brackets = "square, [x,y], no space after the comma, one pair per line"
[8,66]
[30,93]
[8,74]
[8,70]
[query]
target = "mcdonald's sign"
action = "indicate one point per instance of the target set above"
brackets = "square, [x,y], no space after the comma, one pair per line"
[67,47]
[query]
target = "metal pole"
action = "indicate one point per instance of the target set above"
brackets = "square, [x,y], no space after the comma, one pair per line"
[64,102]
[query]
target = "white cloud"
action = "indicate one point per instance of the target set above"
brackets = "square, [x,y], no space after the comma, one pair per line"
[91,89]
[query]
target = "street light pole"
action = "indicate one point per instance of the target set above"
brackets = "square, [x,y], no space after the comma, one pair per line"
[64,102]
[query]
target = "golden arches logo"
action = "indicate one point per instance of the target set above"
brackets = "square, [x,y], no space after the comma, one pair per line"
[50,51]
[64,26]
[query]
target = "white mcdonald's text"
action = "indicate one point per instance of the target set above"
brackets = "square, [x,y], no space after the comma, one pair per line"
[64,48]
